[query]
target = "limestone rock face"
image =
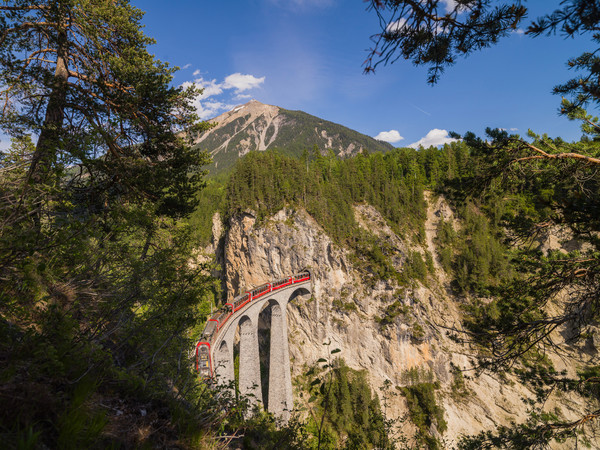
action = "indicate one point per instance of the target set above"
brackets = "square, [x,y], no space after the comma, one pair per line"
[347,306]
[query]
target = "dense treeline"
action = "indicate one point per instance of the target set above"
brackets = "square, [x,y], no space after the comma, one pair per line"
[328,186]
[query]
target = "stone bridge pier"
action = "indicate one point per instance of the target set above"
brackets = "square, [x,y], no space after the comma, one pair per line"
[280,398]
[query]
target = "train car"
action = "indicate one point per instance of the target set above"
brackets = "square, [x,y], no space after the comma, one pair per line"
[241,300]
[281,283]
[204,365]
[221,316]
[209,330]
[300,277]
[260,291]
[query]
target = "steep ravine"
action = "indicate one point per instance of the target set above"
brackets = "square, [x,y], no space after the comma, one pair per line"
[345,306]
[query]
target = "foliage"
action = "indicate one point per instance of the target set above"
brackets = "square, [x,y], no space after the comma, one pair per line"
[349,414]
[392,311]
[424,412]
[263,431]
[436,33]
[547,186]
[531,187]
[481,261]
[210,201]
[97,293]
[328,188]
[445,239]
[458,388]
[417,375]
[78,76]
[415,267]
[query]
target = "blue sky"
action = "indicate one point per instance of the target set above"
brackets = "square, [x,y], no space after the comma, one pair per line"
[307,55]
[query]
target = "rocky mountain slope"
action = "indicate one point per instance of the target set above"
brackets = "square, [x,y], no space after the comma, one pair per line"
[398,334]
[255,126]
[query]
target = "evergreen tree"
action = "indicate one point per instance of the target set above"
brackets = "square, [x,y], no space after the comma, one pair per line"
[436,33]
[97,294]
[77,74]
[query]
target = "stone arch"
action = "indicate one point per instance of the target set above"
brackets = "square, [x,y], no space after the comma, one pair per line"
[249,373]
[297,293]
[224,363]
[244,325]
[223,348]
[265,341]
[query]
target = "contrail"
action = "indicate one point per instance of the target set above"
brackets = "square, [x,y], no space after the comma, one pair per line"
[422,110]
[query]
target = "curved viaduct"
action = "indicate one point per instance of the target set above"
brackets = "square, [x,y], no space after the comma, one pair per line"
[280,401]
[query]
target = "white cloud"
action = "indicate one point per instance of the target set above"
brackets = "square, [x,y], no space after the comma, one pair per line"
[210,109]
[236,82]
[241,82]
[434,138]
[187,66]
[396,26]
[196,72]
[389,136]
[211,87]
[450,5]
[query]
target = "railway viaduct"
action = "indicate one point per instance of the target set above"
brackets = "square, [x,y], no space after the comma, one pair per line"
[279,401]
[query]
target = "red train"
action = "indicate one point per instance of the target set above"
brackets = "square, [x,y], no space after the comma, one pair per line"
[204,364]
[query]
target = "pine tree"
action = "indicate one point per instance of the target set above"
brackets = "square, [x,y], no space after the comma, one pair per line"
[97,293]
[77,74]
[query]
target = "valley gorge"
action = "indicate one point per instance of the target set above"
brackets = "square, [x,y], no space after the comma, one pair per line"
[398,334]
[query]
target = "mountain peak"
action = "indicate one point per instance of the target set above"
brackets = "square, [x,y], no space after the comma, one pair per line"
[253,107]
[255,126]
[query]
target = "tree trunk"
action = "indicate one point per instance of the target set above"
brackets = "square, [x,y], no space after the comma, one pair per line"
[49,138]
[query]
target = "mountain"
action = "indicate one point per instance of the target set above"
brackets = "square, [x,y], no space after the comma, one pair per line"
[256,126]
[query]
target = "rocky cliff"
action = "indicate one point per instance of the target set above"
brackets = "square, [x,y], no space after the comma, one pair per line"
[398,334]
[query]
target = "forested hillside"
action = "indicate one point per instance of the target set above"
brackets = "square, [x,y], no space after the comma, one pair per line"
[327,187]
